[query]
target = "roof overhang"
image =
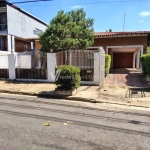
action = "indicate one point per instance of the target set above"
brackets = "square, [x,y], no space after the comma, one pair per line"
[120,34]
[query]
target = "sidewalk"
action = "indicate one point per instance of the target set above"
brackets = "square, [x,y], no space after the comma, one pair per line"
[107,94]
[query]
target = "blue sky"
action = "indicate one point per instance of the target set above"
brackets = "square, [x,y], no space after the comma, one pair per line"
[107,14]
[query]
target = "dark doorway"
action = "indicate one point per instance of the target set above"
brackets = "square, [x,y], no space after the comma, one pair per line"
[122,60]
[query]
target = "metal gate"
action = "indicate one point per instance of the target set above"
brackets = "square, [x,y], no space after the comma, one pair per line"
[84,59]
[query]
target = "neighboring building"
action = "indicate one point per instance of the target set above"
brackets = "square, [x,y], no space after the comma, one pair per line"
[125,48]
[16,25]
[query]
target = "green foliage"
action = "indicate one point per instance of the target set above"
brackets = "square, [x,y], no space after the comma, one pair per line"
[148,50]
[71,30]
[110,30]
[107,64]
[146,64]
[68,77]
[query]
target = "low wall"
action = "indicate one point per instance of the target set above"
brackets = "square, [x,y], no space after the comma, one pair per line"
[3,61]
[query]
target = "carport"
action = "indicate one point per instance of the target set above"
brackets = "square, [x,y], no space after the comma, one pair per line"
[125,56]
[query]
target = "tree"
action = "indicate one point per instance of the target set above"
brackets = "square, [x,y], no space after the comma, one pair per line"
[71,30]
[110,30]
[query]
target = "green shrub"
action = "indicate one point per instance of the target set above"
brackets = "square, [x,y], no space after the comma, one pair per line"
[68,77]
[146,64]
[107,64]
[148,50]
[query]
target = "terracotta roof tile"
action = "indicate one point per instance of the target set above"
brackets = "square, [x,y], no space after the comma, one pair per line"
[109,34]
[106,34]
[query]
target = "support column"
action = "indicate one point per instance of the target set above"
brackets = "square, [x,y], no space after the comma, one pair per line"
[9,43]
[11,66]
[134,54]
[138,60]
[13,43]
[70,57]
[106,50]
[141,49]
[32,46]
[51,66]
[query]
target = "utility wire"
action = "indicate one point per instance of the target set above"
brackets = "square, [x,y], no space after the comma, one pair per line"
[30,1]
[93,3]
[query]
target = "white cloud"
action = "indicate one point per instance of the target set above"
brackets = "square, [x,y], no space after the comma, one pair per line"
[76,7]
[144,13]
[141,21]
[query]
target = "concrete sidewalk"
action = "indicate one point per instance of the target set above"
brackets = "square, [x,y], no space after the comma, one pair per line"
[107,94]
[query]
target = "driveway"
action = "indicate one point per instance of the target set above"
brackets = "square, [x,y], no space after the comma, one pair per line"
[126,77]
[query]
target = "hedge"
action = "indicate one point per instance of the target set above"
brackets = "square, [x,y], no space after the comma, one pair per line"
[146,64]
[68,77]
[107,64]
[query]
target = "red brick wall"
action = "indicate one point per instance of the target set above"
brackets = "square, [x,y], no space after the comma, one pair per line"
[20,46]
[121,41]
[123,60]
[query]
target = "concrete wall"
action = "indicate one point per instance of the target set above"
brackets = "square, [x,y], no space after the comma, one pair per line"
[3,61]
[23,61]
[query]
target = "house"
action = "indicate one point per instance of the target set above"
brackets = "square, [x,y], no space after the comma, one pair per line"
[125,48]
[15,26]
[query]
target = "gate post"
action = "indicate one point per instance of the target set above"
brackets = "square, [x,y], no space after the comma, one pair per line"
[11,67]
[101,66]
[51,65]
[96,68]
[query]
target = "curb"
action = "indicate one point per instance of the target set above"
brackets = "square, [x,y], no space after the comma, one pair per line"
[53,96]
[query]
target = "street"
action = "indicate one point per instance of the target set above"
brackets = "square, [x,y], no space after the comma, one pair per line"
[73,125]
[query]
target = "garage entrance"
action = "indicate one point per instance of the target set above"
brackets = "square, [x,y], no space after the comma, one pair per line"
[127,56]
[122,60]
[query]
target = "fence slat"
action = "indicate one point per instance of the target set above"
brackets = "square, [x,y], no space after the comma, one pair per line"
[31,73]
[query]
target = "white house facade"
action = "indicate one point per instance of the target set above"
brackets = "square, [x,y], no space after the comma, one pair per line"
[16,25]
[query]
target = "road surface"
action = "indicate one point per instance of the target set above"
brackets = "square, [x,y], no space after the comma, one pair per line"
[73,125]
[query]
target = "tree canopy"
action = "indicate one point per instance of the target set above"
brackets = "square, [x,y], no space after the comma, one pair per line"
[71,30]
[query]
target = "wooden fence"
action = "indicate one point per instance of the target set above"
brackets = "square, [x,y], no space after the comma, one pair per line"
[4,73]
[31,73]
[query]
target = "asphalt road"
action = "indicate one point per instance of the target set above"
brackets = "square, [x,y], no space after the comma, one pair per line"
[73,125]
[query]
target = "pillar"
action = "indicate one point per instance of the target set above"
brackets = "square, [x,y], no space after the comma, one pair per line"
[13,43]
[134,54]
[106,50]
[9,47]
[32,46]
[70,57]
[51,66]
[11,66]
[138,60]
[96,67]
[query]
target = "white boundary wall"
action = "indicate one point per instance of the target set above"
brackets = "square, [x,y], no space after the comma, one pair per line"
[3,61]
[24,61]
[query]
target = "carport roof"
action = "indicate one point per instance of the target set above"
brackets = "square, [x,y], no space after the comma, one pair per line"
[110,34]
